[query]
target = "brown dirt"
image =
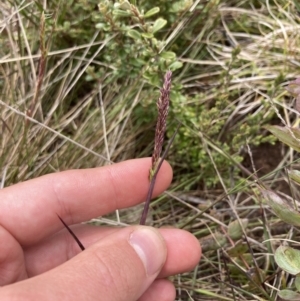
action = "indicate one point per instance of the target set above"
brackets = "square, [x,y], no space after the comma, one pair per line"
[266,159]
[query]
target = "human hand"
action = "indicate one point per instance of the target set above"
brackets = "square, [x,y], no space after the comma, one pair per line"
[39,260]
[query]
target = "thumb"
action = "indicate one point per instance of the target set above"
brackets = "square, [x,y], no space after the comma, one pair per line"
[119,267]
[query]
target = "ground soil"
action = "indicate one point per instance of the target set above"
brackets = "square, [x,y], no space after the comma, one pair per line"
[267,158]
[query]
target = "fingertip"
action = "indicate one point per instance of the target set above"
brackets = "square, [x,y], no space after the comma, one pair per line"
[150,247]
[193,248]
[184,251]
[165,174]
[167,168]
[143,166]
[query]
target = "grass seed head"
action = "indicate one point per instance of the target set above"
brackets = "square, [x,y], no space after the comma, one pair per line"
[163,104]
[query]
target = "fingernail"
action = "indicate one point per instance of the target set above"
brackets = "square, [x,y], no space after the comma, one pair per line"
[150,247]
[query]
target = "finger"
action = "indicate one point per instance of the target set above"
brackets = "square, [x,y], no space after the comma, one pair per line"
[61,247]
[183,249]
[29,210]
[12,265]
[184,252]
[160,289]
[119,267]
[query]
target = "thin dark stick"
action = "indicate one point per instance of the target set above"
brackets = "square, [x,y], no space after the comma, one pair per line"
[153,179]
[72,233]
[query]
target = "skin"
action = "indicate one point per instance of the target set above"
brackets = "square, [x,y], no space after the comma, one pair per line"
[41,261]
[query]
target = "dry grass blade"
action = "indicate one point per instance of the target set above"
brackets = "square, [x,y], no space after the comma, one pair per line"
[41,68]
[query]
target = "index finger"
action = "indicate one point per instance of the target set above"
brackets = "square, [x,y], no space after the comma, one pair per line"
[29,210]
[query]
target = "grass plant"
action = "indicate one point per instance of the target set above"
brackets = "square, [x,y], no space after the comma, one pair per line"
[79,82]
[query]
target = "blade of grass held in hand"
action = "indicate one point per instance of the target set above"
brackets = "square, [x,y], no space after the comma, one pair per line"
[163,104]
[73,234]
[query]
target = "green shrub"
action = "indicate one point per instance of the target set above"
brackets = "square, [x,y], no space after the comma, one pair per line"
[220,80]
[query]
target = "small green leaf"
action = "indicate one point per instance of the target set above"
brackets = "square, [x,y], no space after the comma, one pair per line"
[238,249]
[168,55]
[158,24]
[288,259]
[152,78]
[176,65]
[297,282]
[282,208]
[294,175]
[180,6]
[287,135]
[122,13]
[288,295]
[235,229]
[213,242]
[151,12]
[123,5]
[100,25]
[134,34]
[147,35]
